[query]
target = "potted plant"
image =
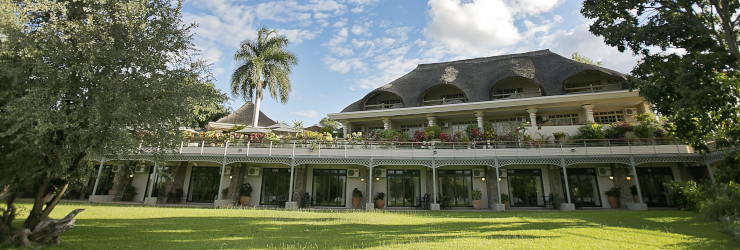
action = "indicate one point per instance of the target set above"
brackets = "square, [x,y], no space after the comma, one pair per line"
[128,193]
[477,195]
[613,197]
[380,200]
[633,190]
[224,193]
[245,191]
[356,198]
[505,200]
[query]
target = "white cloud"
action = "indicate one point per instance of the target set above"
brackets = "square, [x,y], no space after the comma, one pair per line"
[305,113]
[297,36]
[579,39]
[344,65]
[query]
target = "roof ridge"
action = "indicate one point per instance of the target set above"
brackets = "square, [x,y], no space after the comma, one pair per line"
[489,58]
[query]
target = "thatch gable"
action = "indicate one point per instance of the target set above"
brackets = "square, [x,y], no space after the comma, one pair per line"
[243,116]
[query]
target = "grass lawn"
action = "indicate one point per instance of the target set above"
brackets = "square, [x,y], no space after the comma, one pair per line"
[138,227]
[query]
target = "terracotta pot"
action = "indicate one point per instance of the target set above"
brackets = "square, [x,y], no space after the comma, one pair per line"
[243,200]
[356,202]
[223,196]
[379,204]
[613,201]
[636,198]
[507,204]
[477,204]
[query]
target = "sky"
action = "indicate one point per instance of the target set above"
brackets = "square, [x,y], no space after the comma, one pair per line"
[346,48]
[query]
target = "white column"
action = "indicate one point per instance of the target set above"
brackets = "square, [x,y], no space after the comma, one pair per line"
[435,205]
[479,117]
[370,205]
[97,178]
[432,120]
[532,117]
[346,128]
[711,174]
[153,177]
[386,123]
[589,110]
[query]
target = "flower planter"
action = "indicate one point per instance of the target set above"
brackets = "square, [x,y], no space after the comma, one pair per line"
[613,201]
[477,204]
[636,199]
[356,202]
[379,204]
[243,200]
[507,204]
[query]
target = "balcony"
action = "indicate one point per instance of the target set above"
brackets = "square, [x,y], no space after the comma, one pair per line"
[516,95]
[409,150]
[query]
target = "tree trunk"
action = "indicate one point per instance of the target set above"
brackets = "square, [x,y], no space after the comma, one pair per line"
[48,230]
[256,115]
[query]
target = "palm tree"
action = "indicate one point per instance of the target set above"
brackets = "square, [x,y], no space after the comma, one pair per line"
[263,64]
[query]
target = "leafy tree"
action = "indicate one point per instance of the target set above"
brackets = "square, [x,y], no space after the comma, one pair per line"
[582,59]
[689,70]
[82,80]
[264,63]
[211,111]
[328,125]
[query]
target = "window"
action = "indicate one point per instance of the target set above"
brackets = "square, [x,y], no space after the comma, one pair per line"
[106,180]
[508,93]
[404,188]
[525,188]
[456,187]
[275,186]
[584,187]
[461,126]
[608,117]
[505,125]
[563,119]
[411,128]
[329,187]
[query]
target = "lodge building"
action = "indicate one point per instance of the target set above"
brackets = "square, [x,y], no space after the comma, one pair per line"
[534,95]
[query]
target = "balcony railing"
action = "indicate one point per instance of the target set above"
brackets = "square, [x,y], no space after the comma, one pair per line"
[392,149]
[516,95]
[442,101]
[382,106]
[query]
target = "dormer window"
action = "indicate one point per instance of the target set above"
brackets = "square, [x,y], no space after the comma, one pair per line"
[591,82]
[383,100]
[514,88]
[443,94]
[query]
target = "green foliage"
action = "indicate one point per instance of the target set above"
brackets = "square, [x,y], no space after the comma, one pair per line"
[722,202]
[477,194]
[591,131]
[379,196]
[328,125]
[582,59]
[614,192]
[420,136]
[82,79]
[356,193]
[559,136]
[390,135]
[128,193]
[618,130]
[504,197]
[433,131]
[245,189]
[690,67]
[686,195]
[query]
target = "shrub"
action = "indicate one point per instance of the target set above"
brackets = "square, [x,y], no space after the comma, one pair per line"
[433,132]
[420,136]
[723,203]
[476,135]
[445,137]
[591,131]
[559,136]
[477,195]
[405,137]
[380,196]
[356,193]
[614,192]
[245,189]
[390,135]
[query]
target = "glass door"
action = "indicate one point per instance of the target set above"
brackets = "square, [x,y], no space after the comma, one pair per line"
[329,187]
[456,187]
[204,183]
[404,188]
[652,185]
[275,186]
[583,187]
[525,188]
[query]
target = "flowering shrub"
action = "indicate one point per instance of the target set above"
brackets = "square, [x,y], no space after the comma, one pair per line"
[591,131]
[433,132]
[476,135]
[420,136]
[256,137]
[445,137]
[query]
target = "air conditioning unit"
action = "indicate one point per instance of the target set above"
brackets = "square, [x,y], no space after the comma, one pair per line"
[227,170]
[141,169]
[253,171]
[379,173]
[116,168]
[353,172]
[444,124]
[479,173]
[604,171]
[630,112]
[502,174]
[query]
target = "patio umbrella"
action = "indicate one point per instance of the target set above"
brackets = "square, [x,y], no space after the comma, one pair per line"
[250,130]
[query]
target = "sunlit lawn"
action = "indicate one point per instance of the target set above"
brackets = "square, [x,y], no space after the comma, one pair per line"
[138,227]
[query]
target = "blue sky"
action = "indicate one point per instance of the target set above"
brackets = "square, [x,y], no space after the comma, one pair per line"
[346,48]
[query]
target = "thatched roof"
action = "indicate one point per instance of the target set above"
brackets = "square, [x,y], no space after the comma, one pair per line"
[476,77]
[243,116]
